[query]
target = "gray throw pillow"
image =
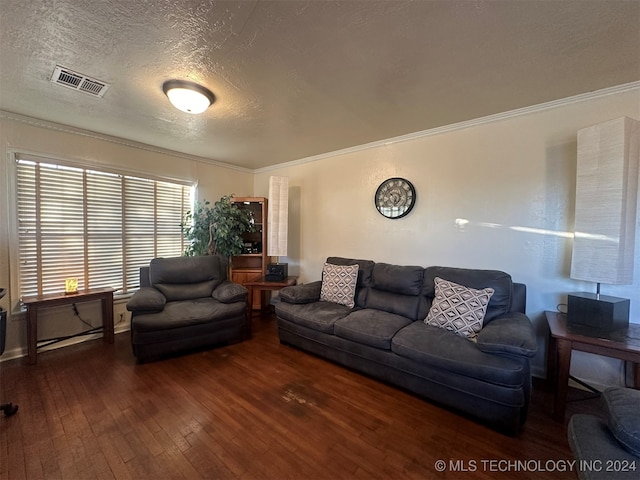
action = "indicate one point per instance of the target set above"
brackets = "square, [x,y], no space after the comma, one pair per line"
[458,309]
[339,284]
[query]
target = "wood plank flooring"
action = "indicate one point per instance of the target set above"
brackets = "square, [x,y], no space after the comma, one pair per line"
[253,410]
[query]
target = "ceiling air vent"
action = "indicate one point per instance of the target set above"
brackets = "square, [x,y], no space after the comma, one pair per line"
[78,81]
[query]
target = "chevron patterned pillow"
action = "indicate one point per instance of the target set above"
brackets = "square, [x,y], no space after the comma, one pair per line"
[339,284]
[458,309]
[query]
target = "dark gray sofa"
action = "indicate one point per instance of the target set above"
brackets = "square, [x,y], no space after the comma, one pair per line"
[185,303]
[384,336]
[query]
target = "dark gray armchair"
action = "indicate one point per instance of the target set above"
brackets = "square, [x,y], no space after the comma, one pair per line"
[185,303]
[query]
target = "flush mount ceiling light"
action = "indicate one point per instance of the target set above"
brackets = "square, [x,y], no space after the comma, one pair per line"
[188,96]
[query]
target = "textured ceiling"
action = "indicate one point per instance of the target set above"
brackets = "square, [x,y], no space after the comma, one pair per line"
[295,79]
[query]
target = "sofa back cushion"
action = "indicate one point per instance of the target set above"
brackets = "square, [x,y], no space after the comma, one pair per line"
[396,289]
[184,278]
[144,277]
[365,272]
[500,282]
[406,280]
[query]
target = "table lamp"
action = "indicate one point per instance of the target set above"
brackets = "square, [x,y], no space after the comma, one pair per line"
[70,286]
[605,221]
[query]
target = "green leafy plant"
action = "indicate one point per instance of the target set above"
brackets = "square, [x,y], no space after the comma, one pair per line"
[196,228]
[216,230]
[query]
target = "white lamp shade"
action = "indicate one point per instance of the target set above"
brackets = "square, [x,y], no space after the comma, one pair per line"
[278,216]
[188,96]
[606,202]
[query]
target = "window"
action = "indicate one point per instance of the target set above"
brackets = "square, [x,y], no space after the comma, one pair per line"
[98,226]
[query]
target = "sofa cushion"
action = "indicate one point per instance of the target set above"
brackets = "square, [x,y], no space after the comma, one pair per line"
[508,335]
[406,280]
[318,315]
[459,309]
[396,289]
[440,348]
[370,327]
[303,293]
[183,278]
[501,283]
[405,305]
[339,284]
[622,407]
[229,292]
[146,299]
[187,312]
[598,453]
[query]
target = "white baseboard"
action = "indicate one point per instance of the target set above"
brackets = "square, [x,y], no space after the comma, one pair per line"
[22,352]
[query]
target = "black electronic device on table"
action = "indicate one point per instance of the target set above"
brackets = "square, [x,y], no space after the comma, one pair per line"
[277,272]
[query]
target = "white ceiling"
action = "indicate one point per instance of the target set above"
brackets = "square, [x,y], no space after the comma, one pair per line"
[295,79]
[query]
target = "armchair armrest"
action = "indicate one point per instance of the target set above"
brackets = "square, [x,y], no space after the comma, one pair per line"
[146,299]
[511,334]
[230,292]
[299,294]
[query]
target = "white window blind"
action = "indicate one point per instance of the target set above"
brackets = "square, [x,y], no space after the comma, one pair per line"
[100,227]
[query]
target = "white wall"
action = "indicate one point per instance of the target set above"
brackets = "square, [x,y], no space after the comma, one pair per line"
[22,134]
[511,180]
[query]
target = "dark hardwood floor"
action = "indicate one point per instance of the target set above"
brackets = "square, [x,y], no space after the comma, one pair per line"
[253,410]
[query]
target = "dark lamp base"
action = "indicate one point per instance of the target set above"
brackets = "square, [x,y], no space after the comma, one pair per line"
[598,313]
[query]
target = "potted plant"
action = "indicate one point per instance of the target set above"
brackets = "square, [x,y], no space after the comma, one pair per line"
[216,230]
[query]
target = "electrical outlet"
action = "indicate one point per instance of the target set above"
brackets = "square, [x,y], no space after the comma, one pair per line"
[120,314]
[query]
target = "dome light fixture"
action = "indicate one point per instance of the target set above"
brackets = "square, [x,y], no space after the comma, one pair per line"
[188,96]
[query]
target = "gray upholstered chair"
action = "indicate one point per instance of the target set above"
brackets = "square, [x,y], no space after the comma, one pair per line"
[608,448]
[185,303]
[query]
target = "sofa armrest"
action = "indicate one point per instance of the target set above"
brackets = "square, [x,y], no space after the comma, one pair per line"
[230,292]
[511,334]
[299,294]
[147,299]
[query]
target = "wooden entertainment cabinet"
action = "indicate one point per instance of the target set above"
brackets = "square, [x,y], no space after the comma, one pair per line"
[252,263]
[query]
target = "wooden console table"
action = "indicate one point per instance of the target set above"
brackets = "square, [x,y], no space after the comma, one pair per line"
[261,284]
[621,344]
[37,302]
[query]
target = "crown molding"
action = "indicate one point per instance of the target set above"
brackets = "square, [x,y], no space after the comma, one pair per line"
[583,97]
[627,87]
[36,122]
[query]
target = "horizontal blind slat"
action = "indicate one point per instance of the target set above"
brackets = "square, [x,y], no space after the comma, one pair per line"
[87,225]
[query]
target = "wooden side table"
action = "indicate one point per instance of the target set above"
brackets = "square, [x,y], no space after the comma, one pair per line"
[261,284]
[36,302]
[621,344]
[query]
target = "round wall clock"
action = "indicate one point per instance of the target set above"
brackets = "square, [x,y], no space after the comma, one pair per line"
[395,197]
